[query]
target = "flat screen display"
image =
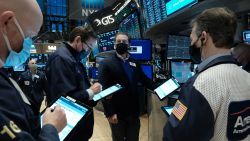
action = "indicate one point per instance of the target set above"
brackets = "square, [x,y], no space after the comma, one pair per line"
[167,88]
[19,68]
[173,6]
[74,113]
[148,70]
[246,36]
[181,70]
[107,92]
[141,50]
[106,41]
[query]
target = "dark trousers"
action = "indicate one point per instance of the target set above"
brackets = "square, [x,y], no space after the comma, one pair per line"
[126,130]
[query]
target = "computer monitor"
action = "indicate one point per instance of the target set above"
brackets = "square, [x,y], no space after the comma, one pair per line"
[148,70]
[131,26]
[181,70]
[37,57]
[106,41]
[246,36]
[141,50]
[19,68]
[178,47]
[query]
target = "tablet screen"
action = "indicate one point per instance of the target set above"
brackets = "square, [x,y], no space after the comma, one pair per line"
[166,88]
[107,92]
[168,109]
[74,113]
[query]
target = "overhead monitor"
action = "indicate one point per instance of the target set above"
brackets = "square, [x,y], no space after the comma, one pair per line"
[181,70]
[147,70]
[141,50]
[106,41]
[131,26]
[178,47]
[173,6]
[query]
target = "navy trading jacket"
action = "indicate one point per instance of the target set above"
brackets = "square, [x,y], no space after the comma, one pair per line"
[66,75]
[17,120]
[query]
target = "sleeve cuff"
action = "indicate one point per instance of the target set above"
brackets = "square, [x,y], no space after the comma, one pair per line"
[91,94]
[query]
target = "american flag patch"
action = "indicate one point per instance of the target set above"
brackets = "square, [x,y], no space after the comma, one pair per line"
[179,110]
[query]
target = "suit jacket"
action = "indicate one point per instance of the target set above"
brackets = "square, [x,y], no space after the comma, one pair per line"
[125,102]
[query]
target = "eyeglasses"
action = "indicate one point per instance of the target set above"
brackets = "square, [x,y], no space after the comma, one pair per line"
[91,47]
[121,41]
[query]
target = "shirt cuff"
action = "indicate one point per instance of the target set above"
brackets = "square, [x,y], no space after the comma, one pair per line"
[91,94]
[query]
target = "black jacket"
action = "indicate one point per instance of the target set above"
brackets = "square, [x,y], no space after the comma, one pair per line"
[66,75]
[125,102]
[14,111]
[34,89]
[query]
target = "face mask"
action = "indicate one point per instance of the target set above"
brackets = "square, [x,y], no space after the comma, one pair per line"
[85,54]
[195,53]
[14,58]
[121,48]
[33,67]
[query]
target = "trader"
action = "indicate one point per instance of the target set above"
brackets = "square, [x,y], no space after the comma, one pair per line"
[213,104]
[17,120]
[66,75]
[122,109]
[33,83]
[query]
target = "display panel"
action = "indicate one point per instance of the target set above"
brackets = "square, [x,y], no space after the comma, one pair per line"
[131,26]
[155,11]
[173,6]
[107,92]
[141,50]
[19,68]
[246,36]
[147,70]
[178,47]
[74,113]
[106,41]
[181,70]
[167,88]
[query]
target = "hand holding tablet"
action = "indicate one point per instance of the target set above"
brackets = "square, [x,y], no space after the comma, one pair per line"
[166,88]
[74,111]
[107,92]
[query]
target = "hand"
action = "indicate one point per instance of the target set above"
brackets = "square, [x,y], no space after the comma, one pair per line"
[113,119]
[96,88]
[57,118]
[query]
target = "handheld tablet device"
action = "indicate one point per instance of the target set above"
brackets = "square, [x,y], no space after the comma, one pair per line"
[107,92]
[167,110]
[166,88]
[74,111]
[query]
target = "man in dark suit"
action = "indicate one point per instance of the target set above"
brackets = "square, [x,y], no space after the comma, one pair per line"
[122,109]
[66,75]
[33,83]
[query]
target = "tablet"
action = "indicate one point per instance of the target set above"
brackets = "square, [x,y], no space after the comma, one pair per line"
[107,92]
[74,111]
[166,88]
[167,110]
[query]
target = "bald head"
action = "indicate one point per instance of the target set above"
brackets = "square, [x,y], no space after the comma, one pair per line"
[27,13]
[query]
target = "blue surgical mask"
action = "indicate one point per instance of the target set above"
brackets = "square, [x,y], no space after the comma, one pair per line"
[14,58]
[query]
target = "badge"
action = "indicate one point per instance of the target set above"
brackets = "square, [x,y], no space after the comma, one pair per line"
[36,76]
[27,83]
[132,64]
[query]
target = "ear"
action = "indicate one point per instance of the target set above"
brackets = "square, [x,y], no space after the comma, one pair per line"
[77,39]
[5,19]
[204,36]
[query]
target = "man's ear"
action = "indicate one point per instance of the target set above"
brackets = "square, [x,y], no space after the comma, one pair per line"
[204,37]
[5,19]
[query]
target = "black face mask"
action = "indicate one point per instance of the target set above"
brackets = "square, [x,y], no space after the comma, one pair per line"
[195,53]
[121,48]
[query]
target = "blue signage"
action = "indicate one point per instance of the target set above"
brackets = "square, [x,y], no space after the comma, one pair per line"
[175,5]
[93,4]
